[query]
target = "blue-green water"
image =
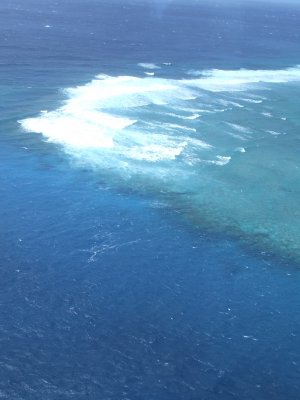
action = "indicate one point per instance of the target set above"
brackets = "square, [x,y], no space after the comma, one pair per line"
[149,200]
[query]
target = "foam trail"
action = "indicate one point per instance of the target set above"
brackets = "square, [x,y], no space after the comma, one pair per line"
[252,101]
[189,117]
[192,117]
[274,133]
[227,103]
[181,127]
[239,128]
[236,80]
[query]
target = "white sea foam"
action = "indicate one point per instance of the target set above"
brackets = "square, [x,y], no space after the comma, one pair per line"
[148,65]
[241,149]
[227,103]
[95,116]
[239,128]
[237,136]
[217,110]
[122,115]
[192,117]
[235,80]
[196,111]
[184,117]
[235,104]
[199,143]
[180,127]
[221,160]
[252,101]
[83,131]
[155,152]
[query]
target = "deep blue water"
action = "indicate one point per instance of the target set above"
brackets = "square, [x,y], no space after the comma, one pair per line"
[116,281]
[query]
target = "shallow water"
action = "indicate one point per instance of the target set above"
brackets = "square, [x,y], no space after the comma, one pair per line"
[227,141]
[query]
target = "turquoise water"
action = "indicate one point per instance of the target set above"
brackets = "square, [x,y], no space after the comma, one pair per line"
[225,140]
[149,191]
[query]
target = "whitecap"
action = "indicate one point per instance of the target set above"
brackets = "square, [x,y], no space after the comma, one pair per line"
[241,149]
[242,79]
[121,115]
[252,101]
[221,160]
[82,131]
[184,117]
[227,103]
[192,117]
[148,65]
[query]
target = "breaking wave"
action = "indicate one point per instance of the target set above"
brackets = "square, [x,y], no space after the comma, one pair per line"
[185,135]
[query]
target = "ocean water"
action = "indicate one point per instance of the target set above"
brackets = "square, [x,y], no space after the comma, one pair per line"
[149,206]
